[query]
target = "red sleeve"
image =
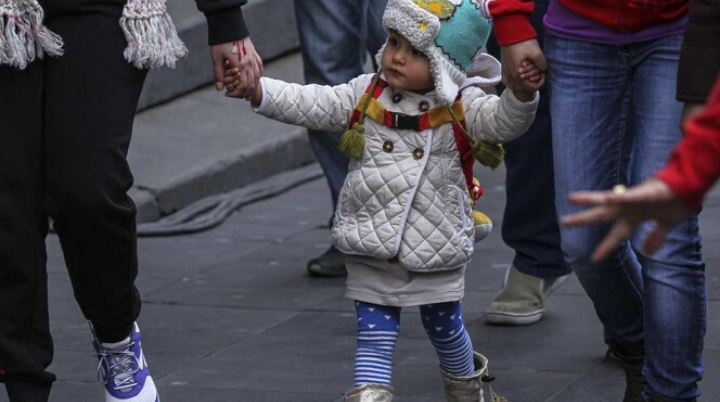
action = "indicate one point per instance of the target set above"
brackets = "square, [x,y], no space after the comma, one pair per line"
[694,165]
[510,20]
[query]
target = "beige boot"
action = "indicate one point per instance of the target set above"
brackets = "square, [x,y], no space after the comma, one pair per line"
[370,393]
[468,389]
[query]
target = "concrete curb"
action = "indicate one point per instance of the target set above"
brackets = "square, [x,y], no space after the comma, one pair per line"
[223,175]
[189,142]
[203,144]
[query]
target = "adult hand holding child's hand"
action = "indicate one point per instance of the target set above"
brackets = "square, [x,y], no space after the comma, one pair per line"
[512,58]
[241,55]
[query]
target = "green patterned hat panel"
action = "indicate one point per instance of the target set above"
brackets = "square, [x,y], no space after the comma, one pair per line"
[463,34]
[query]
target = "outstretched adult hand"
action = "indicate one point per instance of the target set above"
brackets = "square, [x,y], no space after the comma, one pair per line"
[651,200]
[239,54]
[512,57]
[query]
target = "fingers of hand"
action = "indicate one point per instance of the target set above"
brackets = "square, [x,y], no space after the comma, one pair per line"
[531,74]
[252,80]
[589,197]
[617,234]
[655,238]
[599,214]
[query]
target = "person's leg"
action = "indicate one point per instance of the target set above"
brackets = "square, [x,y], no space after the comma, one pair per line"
[674,277]
[334,40]
[461,369]
[444,325]
[590,85]
[378,328]
[529,223]
[26,348]
[91,98]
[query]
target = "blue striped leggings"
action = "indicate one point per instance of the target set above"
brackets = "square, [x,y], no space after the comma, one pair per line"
[378,328]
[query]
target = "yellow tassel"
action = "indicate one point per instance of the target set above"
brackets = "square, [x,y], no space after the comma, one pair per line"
[488,154]
[352,142]
[495,397]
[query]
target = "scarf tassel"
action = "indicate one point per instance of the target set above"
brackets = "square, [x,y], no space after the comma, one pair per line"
[23,37]
[151,35]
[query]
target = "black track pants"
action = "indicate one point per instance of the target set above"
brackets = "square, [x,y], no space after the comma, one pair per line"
[65,126]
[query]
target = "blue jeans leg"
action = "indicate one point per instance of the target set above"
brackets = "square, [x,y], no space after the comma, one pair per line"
[674,277]
[529,223]
[614,121]
[335,36]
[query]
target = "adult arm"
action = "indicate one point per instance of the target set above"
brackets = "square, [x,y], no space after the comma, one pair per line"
[229,40]
[516,37]
[694,165]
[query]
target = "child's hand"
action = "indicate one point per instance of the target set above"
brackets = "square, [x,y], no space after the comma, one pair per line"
[532,80]
[232,82]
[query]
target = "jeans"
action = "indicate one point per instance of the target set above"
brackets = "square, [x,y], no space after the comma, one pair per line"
[529,223]
[67,124]
[335,36]
[615,120]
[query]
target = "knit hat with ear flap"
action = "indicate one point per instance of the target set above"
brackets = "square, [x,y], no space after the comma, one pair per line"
[451,33]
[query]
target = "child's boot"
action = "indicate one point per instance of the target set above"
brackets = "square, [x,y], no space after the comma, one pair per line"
[469,388]
[370,393]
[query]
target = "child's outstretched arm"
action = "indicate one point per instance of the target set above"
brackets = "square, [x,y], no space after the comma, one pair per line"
[316,107]
[498,119]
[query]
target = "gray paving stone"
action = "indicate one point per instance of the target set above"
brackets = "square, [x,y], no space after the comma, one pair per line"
[247,284]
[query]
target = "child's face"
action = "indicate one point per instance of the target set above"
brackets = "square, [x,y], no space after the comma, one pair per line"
[405,67]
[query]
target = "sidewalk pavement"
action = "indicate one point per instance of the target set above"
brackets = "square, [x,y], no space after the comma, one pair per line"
[230,315]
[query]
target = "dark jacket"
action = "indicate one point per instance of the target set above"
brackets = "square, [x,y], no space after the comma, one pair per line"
[225,20]
[700,57]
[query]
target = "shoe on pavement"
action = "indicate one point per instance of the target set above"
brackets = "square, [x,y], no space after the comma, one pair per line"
[635,382]
[330,264]
[370,393]
[124,371]
[522,300]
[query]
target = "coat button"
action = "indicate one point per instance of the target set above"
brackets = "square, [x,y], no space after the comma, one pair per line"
[418,154]
[397,97]
[388,146]
[424,106]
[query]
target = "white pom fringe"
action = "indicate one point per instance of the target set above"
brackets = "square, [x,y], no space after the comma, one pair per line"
[151,35]
[23,37]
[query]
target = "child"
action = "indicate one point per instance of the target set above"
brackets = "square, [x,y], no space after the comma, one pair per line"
[404,215]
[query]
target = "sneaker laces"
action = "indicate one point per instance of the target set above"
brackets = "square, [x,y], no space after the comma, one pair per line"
[121,365]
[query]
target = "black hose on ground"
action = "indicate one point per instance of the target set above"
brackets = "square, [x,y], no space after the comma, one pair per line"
[213,210]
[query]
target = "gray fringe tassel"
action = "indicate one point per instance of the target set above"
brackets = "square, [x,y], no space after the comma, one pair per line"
[151,35]
[23,37]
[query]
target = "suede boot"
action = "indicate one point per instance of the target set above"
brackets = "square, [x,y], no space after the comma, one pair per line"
[370,393]
[635,382]
[469,388]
